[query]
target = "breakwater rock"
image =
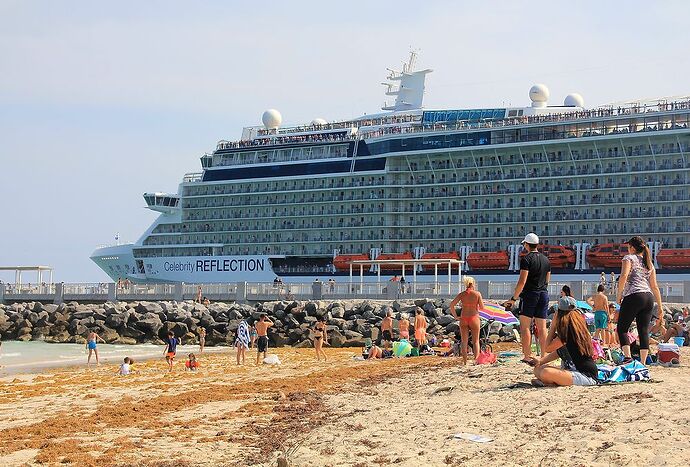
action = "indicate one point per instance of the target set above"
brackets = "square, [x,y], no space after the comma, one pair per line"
[349,323]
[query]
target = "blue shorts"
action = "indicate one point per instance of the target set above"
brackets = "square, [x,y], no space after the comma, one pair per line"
[535,304]
[582,380]
[92,345]
[601,319]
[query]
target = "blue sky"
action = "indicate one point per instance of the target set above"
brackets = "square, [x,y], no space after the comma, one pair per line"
[100,102]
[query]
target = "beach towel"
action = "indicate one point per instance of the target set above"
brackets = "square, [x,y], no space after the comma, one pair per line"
[242,335]
[633,371]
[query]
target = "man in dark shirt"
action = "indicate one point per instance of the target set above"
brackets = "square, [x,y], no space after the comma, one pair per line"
[535,273]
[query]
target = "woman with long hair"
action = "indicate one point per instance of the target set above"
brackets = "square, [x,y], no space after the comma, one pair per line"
[570,340]
[472,302]
[637,292]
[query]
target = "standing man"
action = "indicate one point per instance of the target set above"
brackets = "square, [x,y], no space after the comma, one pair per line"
[262,331]
[387,331]
[532,288]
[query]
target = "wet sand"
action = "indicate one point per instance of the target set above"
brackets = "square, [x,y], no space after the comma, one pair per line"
[341,413]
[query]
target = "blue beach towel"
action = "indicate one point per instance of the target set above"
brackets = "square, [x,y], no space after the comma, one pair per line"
[633,371]
[242,335]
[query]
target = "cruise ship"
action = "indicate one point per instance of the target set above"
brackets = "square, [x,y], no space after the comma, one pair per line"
[410,182]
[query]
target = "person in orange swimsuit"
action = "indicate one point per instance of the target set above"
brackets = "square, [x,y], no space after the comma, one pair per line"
[469,316]
[404,327]
[420,325]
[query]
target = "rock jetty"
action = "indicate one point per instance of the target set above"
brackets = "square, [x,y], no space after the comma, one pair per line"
[349,323]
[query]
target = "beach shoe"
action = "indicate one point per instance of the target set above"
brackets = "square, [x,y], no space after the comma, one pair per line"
[537,383]
[529,361]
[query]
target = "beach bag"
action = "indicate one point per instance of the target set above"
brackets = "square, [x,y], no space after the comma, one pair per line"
[414,352]
[486,357]
[668,352]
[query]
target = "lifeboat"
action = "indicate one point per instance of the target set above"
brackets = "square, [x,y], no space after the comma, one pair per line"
[342,262]
[488,260]
[674,258]
[607,255]
[392,257]
[561,257]
[441,267]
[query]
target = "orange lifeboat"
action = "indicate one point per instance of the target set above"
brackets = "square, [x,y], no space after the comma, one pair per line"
[342,262]
[607,255]
[441,267]
[560,256]
[392,257]
[674,258]
[488,260]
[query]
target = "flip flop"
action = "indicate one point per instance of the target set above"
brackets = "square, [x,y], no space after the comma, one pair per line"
[529,361]
[537,383]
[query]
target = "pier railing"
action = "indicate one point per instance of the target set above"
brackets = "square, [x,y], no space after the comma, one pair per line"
[671,291]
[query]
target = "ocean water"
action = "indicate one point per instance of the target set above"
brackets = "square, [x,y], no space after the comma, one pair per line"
[26,357]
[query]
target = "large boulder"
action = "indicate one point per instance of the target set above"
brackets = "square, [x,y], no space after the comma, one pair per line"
[445,320]
[149,307]
[149,323]
[117,320]
[337,312]
[336,339]
[132,332]
[109,335]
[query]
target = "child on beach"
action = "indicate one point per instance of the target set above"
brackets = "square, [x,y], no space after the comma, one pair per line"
[600,303]
[262,331]
[387,330]
[404,326]
[613,321]
[420,325]
[252,336]
[124,368]
[191,364]
[171,344]
[91,341]
[202,338]
[242,341]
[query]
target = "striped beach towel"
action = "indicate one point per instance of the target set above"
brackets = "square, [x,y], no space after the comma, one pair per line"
[242,335]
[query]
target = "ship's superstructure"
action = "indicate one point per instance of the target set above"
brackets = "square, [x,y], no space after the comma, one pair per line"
[289,200]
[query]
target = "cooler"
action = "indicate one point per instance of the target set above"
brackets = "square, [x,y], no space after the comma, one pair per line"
[668,352]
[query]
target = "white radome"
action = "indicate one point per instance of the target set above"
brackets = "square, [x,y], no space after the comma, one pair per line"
[574,100]
[271,119]
[319,121]
[539,94]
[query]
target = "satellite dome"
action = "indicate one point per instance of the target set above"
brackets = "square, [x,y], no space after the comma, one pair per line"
[319,121]
[539,94]
[574,100]
[271,119]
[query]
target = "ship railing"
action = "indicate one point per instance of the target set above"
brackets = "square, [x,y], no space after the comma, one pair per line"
[192,177]
[146,292]
[211,291]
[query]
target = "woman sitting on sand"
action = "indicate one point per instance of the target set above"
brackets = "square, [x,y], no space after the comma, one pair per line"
[469,316]
[570,340]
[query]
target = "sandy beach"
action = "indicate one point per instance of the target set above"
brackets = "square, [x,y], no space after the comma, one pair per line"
[341,413]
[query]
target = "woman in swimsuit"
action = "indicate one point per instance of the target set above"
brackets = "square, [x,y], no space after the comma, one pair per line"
[420,325]
[404,326]
[320,337]
[469,318]
[91,341]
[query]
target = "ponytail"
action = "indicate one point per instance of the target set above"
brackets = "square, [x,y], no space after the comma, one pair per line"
[647,257]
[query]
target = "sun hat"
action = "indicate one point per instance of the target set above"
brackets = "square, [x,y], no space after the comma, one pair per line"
[531,238]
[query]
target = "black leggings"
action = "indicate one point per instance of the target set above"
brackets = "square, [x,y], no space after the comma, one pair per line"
[638,307]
